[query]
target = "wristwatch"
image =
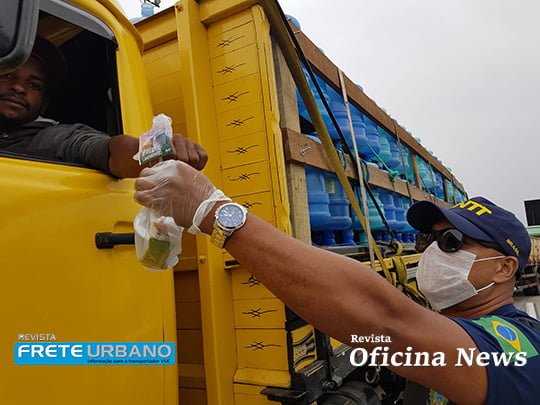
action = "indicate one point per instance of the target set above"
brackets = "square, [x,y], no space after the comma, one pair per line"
[228,218]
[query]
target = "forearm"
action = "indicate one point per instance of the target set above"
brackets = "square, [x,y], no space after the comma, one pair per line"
[122,148]
[317,284]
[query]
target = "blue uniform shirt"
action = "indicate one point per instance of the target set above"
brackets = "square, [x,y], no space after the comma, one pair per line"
[503,332]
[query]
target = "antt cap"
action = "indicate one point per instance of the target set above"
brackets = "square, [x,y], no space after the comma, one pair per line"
[479,219]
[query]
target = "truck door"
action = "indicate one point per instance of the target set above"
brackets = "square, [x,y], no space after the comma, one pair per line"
[55,284]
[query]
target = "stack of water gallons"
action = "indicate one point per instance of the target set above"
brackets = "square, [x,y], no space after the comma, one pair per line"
[459,196]
[332,220]
[329,210]
[439,187]
[450,190]
[427,177]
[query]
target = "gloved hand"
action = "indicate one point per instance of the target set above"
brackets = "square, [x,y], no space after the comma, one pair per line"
[173,188]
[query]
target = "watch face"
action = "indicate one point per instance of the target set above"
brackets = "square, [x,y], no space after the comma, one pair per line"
[231,216]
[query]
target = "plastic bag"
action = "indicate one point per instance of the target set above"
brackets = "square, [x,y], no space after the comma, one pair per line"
[157,142]
[157,240]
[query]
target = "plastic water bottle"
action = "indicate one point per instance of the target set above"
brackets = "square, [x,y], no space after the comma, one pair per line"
[372,135]
[340,114]
[384,153]
[318,201]
[375,220]
[424,171]
[362,142]
[408,162]
[439,185]
[401,222]
[449,191]
[339,208]
[294,21]
[356,227]
[408,231]
[395,160]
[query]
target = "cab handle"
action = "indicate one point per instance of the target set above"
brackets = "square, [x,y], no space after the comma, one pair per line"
[108,240]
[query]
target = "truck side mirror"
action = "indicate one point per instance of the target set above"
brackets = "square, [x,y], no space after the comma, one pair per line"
[18,25]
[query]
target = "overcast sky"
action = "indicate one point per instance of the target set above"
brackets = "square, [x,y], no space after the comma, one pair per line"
[462,75]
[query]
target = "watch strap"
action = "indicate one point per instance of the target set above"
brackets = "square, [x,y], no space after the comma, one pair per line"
[219,235]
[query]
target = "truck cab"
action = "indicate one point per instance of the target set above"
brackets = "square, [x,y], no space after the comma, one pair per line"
[57,284]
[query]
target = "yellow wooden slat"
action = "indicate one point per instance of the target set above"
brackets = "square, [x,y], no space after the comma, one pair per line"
[238,93]
[243,150]
[261,313]
[232,40]
[235,65]
[241,121]
[252,178]
[262,348]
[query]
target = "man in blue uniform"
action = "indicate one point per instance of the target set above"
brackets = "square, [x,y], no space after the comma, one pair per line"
[23,96]
[451,240]
[487,351]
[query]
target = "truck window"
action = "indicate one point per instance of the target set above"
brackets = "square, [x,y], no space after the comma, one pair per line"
[88,93]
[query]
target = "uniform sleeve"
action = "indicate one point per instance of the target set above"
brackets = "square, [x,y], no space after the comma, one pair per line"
[76,143]
[506,383]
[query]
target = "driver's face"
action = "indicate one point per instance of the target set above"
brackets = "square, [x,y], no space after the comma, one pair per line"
[22,93]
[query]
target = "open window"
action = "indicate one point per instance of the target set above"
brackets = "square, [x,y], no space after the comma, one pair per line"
[88,93]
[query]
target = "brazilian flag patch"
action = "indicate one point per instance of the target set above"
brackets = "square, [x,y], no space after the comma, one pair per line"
[509,337]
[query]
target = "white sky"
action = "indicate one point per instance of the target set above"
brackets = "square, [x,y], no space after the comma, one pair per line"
[462,75]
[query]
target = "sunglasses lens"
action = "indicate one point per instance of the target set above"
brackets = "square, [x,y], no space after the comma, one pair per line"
[423,240]
[450,241]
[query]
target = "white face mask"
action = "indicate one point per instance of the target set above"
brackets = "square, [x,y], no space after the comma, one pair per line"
[443,277]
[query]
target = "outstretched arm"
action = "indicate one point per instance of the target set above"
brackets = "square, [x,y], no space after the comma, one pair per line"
[336,294]
[122,148]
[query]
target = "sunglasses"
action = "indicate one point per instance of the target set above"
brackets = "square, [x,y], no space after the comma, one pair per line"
[449,240]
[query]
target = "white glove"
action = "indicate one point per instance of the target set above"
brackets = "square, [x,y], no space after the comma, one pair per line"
[173,188]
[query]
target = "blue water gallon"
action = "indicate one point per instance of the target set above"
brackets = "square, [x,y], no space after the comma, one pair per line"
[339,208]
[408,232]
[359,236]
[395,160]
[424,171]
[439,187]
[372,134]
[375,221]
[385,154]
[294,21]
[359,128]
[318,201]
[401,221]
[449,191]
[408,162]
[302,111]
[337,105]
[387,200]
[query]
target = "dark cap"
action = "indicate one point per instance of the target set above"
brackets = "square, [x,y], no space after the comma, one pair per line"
[479,219]
[51,58]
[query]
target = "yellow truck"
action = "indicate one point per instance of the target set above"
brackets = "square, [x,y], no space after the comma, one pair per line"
[221,69]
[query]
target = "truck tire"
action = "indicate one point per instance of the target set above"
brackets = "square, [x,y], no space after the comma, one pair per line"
[351,393]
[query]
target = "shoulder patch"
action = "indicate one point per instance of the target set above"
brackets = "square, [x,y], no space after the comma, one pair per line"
[509,337]
[436,399]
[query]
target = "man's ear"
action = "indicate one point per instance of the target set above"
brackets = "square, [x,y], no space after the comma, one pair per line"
[507,269]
